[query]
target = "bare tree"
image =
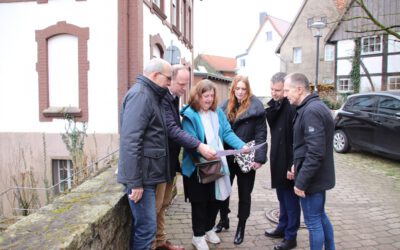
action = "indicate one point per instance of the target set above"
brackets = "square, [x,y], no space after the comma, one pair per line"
[377,25]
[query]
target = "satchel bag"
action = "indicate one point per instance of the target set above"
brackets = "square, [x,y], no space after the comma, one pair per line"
[209,171]
[245,161]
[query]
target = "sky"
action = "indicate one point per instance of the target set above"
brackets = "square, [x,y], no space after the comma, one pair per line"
[226,27]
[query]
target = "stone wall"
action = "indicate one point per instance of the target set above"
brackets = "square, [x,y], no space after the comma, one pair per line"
[95,215]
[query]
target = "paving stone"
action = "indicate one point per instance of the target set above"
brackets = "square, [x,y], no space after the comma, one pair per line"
[363,208]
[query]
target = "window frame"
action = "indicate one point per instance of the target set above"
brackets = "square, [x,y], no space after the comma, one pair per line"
[46,112]
[296,55]
[56,175]
[332,52]
[350,86]
[396,84]
[268,36]
[369,52]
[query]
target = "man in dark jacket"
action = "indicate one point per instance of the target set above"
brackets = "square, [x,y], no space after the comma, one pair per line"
[313,169]
[176,139]
[280,117]
[143,159]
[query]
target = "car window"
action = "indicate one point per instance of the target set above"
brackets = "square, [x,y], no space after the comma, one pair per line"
[388,106]
[363,103]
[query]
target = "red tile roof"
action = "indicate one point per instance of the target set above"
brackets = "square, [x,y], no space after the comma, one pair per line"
[220,63]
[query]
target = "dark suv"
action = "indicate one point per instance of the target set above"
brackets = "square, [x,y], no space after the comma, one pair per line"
[370,122]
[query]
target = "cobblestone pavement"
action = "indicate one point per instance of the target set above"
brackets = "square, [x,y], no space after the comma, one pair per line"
[364,208]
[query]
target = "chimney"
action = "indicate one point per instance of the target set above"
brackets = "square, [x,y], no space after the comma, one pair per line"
[340,5]
[263,15]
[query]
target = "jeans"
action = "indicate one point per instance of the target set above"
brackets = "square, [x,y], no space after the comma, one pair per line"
[144,222]
[289,212]
[318,224]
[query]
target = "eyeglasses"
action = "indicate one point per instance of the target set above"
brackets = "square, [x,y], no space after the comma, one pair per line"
[168,77]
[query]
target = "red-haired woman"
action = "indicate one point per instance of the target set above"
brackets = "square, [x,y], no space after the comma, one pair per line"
[246,115]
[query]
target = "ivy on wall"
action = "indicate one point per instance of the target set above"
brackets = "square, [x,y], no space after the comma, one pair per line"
[355,66]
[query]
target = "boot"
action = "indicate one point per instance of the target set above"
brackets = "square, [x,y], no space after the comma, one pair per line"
[239,236]
[223,223]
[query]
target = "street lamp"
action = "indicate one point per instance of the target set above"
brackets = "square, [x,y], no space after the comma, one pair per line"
[317,28]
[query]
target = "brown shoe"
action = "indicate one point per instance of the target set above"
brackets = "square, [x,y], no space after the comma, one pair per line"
[168,246]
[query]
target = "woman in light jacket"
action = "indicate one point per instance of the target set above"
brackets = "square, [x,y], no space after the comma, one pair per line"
[246,115]
[203,120]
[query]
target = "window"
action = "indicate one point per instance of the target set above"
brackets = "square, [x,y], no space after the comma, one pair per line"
[371,45]
[242,63]
[63,84]
[183,17]
[175,13]
[62,170]
[393,82]
[388,106]
[329,52]
[297,55]
[269,35]
[363,103]
[345,85]
[158,3]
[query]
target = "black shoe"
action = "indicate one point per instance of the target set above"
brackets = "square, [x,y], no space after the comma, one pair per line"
[286,244]
[274,234]
[223,223]
[239,236]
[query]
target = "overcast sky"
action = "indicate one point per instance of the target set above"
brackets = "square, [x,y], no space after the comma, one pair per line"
[226,27]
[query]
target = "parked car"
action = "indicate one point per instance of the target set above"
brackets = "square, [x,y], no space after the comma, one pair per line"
[370,122]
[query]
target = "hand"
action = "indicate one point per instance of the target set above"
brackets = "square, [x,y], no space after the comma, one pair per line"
[207,152]
[290,174]
[299,192]
[256,165]
[136,194]
[247,149]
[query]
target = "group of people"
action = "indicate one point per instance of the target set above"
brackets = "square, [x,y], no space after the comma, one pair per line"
[152,134]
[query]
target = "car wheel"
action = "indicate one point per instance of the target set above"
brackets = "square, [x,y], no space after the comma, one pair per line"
[340,142]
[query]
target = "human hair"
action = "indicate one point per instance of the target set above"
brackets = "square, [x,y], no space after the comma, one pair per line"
[176,68]
[299,79]
[231,110]
[196,92]
[278,77]
[154,65]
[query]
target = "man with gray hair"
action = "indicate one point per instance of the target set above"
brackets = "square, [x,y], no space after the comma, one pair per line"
[313,169]
[143,158]
[280,116]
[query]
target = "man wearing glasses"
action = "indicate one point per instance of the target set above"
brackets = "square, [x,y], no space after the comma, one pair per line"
[143,160]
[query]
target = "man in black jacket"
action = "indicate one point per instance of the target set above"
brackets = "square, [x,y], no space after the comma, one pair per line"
[280,117]
[143,159]
[177,138]
[313,168]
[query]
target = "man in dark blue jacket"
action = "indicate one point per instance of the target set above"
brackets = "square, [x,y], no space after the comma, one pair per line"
[143,159]
[177,138]
[313,168]
[280,119]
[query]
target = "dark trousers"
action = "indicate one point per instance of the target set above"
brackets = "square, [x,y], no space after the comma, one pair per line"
[245,183]
[289,212]
[203,216]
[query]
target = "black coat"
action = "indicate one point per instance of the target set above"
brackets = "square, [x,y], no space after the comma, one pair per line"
[280,120]
[177,137]
[313,146]
[143,154]
[252,126]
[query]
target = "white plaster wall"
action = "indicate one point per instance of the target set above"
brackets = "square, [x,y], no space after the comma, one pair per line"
[345,48]
[393,44]
[19,103]
[365,86]
[262,62]
[393,64]
[153,26]
[373,64]
[343,67]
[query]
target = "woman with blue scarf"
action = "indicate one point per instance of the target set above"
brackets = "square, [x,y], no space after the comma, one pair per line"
[203,120]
